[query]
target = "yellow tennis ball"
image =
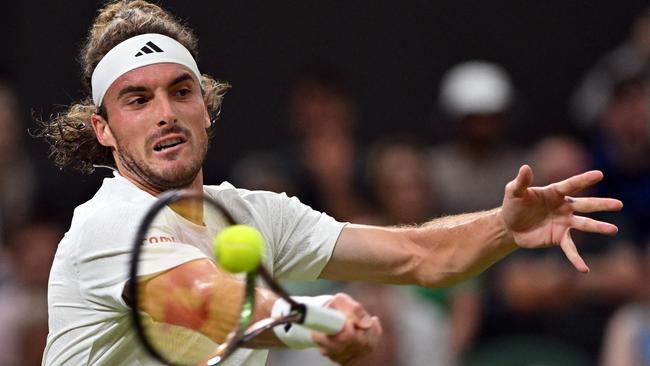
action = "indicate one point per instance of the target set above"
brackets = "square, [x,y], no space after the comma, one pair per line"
[239,248]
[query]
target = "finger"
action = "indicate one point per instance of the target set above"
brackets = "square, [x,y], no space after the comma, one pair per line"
[571,252]
[345,346]
[522,181]
[595,204]
[372,322]
[578,182]
[365,322]
[354,309]
[593,226]
[333,343]
[376,329]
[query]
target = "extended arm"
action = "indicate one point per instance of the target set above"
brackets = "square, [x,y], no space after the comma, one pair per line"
[438,253]
[447,250]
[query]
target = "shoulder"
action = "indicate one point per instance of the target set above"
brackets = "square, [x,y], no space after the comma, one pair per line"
[264,209]
[116,206]
[227,188]
[239,198]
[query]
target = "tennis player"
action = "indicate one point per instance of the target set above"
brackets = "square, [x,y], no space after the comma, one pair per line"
[149,117]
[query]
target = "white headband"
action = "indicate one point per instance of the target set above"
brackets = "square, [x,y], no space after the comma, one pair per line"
[138,51]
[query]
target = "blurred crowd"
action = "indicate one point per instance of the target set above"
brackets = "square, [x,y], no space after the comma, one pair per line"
[532,308]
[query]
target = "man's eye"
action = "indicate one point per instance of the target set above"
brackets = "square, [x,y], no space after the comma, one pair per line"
[138,100]
[183,92]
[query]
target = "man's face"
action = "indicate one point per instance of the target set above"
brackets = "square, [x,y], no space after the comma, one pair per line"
[157,123]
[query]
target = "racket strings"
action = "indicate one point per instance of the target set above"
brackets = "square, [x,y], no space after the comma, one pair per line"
[179,326]
[185,331]
[178,345]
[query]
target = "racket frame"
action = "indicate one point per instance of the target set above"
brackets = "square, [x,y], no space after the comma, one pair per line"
[244,332]
[163,200]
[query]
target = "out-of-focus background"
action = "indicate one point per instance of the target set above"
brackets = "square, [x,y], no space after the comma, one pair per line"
[382,112]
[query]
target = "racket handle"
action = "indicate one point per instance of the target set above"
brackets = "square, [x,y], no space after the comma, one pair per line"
[326,320]
[314,316]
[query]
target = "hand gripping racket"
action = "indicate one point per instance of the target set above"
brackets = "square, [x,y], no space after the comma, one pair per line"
[193,223]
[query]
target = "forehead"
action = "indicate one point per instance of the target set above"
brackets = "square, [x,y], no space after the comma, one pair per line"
[150,76]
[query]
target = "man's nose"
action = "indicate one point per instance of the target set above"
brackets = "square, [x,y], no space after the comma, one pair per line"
[167,110]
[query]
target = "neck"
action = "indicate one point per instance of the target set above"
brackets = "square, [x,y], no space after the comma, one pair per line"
[191,209]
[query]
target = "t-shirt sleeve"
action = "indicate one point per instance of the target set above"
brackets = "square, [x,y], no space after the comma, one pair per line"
[104,256]
[302,239]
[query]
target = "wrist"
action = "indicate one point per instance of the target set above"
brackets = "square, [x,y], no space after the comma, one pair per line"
[507,237]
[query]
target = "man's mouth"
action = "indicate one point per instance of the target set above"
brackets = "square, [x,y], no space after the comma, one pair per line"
[169,143]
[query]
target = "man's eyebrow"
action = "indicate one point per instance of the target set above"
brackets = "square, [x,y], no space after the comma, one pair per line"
[130,89]
[137,88]
[183,77]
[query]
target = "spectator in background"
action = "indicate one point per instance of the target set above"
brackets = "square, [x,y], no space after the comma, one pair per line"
[558,157]
[612,104]
[431,327]
[621,148]
[397,177]
[323,116]
[17,176]
[17,179]
[476,96]
[262,171]
[321,165]
[632,57]
[23,297]
[627,339]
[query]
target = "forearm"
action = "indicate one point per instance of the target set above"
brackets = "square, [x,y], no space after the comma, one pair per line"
[461,246]
[437,253]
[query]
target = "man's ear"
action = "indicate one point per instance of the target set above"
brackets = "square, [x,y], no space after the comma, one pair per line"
[208,122]
[102,130]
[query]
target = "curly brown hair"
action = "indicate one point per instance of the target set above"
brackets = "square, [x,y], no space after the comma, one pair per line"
[69,133]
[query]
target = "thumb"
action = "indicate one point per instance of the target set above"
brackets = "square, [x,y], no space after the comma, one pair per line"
[522,181]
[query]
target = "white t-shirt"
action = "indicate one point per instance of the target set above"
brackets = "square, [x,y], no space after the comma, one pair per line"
[89,321]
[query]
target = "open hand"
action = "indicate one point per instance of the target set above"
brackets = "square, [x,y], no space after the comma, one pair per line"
[543,216]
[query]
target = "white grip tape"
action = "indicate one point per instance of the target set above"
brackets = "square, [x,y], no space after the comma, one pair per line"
[326,320]
[317,317]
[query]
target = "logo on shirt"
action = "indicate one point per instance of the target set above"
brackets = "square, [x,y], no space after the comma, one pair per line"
[159,239]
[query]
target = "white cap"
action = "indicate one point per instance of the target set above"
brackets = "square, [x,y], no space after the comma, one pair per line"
[475,87]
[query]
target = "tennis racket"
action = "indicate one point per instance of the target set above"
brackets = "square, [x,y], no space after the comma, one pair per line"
[181,219]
